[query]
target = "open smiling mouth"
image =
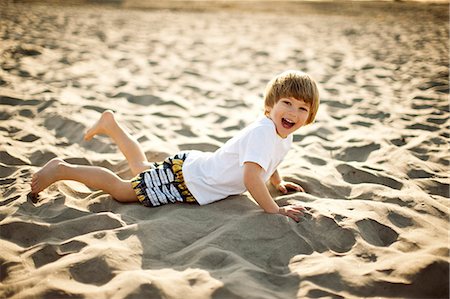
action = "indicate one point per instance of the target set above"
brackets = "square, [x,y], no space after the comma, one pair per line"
[287,123]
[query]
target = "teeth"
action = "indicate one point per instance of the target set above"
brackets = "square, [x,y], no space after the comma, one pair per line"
[289,121]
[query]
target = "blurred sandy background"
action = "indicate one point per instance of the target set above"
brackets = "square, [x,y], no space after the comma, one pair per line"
[189,75]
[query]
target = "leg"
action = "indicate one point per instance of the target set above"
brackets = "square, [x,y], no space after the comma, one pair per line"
[92,176]
[130,148]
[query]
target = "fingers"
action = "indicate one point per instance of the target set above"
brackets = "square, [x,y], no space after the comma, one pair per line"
[299,208]
[300,188]
[282,189]
[295,212]
[284,186]
[295,216]
[295,187]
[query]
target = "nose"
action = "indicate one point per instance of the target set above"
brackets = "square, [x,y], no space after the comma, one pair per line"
[293,112]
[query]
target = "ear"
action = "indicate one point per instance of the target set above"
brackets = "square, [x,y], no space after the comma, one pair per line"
[267,110]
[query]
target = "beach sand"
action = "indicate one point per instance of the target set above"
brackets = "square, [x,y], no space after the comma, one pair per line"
[375,164]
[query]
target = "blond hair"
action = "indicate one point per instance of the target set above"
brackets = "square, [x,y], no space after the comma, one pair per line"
[293,84]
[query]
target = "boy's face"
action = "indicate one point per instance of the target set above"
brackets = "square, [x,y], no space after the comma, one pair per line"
[288,115]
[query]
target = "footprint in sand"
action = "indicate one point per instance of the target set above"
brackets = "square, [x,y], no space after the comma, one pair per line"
[94,271]
[399,220]
[355,175]
[376,233]
[49,253]
[357,153]
[337,238]
[34,233]
[145,290]
[324,233]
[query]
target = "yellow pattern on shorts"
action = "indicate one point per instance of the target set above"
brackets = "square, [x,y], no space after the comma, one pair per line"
[177,166]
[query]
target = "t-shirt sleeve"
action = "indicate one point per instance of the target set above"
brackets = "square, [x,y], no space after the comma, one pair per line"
[257,147]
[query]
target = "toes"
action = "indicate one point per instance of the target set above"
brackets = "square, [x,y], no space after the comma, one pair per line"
[34,187]
[33,183]
[34,197]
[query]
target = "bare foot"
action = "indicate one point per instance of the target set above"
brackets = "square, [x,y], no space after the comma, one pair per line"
[46,176]
[101,126]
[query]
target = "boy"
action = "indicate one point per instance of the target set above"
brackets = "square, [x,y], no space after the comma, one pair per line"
[245,162]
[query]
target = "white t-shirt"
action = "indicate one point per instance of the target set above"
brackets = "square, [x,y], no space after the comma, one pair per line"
[214,176]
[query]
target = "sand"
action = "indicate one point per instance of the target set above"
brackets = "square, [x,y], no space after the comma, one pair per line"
[375,164]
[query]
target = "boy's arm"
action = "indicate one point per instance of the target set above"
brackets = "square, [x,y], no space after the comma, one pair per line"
[255,184]
[275,179]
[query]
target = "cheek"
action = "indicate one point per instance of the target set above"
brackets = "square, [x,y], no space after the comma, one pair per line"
[304,117]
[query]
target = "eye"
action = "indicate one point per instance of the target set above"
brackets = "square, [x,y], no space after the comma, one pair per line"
[287,103]
[303,109]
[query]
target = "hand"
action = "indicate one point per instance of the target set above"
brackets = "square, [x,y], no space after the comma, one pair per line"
[292,211]
[284,187]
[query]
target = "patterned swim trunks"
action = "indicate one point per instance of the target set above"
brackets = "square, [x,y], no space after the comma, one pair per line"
[163,184]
